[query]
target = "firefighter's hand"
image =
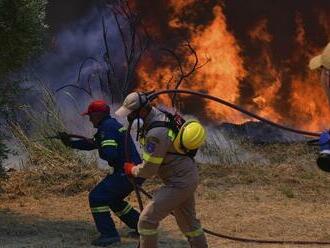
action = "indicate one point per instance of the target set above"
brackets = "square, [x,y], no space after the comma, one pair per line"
[65,138]
[128,168]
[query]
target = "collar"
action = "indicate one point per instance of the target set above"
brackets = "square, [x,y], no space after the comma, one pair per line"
[108,117]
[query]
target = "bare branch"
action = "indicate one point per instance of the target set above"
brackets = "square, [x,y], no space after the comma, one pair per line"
[82,66]
[73,99]
[168,84]
[107,50]
[135,41]
[122,36]
[74,86]
[206,62]
[193,67]
[183,74]
[89,83]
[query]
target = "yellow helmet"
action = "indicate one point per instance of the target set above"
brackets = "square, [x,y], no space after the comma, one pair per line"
[190,137]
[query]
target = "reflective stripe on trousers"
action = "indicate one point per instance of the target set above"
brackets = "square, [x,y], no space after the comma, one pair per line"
[195,233]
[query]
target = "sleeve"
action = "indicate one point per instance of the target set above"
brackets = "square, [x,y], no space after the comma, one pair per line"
[324,141]
[109,144]
[83,144]
[157,143]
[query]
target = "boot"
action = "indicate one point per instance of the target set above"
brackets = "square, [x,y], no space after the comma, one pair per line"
[104,241]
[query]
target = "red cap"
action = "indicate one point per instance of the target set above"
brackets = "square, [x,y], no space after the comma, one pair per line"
[97,106]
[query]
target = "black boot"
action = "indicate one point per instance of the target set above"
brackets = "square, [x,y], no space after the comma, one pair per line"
[104,241]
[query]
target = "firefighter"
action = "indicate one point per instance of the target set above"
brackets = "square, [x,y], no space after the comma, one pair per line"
[110,193]
[322,62]
[177,171]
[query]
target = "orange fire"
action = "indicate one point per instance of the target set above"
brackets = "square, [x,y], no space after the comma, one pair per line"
[309,104]
[227,69]
[266,79]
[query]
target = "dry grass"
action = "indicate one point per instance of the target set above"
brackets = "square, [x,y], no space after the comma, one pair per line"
[283,200]
[243,201]
[51,168]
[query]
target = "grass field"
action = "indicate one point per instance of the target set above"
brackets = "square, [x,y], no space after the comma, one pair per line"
[287,199]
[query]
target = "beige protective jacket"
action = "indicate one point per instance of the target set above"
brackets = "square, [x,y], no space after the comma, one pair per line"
[173,169]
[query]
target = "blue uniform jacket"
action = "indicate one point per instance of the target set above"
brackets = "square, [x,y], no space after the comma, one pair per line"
[110,142]
[324,141]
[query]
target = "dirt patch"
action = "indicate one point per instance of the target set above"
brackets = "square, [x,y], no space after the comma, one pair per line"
[278,202]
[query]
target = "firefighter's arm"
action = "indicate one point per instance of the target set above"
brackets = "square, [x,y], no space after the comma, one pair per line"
[83,144]
[71,140]
[155,148]
[109,144]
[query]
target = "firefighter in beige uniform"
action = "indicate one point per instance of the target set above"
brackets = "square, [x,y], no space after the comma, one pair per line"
[178,173]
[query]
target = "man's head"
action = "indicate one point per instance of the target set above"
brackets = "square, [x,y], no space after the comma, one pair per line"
[96,111]
[322,62]
[135,105]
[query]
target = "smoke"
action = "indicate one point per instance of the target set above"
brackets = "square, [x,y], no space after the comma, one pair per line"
[73,45]
[60,13]
[77,42]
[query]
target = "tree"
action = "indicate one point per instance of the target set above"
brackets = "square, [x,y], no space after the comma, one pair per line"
[22,33]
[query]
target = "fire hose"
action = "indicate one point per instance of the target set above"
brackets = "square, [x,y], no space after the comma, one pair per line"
[249,240]
[137,188]
[130,178]
[233,106]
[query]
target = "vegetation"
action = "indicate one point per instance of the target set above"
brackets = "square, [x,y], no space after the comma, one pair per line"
[51,167]
[22,33]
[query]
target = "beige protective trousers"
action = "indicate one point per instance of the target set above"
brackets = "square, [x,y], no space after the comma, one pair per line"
[180,202]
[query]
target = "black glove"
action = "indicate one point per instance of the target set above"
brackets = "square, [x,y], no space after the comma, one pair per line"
[65,138]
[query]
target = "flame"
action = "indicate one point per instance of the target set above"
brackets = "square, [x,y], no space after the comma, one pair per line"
[266,80]
[260,32]
[220,76]
[309,105]
[310,109]
[283,91]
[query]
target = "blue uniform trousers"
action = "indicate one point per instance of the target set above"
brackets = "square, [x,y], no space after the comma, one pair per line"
[108,195]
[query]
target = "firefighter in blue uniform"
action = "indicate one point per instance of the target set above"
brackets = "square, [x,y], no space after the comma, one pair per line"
[323,160]
[110,193]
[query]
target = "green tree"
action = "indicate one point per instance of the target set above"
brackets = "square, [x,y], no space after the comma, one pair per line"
[22,33]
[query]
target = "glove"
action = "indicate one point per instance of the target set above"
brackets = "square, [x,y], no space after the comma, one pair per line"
[128,168]
[65,138]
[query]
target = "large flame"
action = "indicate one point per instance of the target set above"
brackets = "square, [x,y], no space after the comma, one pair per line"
[266,79]
[283,91]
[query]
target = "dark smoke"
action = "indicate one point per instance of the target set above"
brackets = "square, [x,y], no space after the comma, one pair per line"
[70,46]
[61,13]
